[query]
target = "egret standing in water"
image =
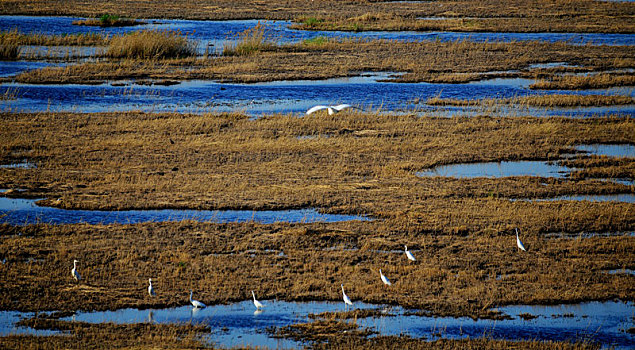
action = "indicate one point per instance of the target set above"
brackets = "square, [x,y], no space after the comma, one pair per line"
[150,289]
[384,278]
[197,304]
[409,255]
[256,302]
[347,300]
[74,272]
[331,109]
[519,243]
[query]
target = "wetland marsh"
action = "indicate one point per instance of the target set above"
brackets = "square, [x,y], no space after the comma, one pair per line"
[197,166]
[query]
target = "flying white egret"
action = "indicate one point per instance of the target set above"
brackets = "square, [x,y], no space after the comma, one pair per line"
[74,272]
[150,289]
[256,302]
[409,255]
[331,109]
[384,278]
[519,243]
[197,304]
[347,300]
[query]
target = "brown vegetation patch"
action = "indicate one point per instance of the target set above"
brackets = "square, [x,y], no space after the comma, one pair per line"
[151,44]
[137,160]
[321,331]
[453,275]
[81,39]
[539,101]
[255,59]
[465,15]
[577,82]
[80,335]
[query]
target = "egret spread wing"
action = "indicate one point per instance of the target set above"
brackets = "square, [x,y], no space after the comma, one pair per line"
[342,106]
[316,108]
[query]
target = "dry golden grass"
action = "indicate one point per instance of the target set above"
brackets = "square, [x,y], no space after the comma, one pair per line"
[136,160]
[151,44]
[556,100]
[251,41]
[457,275]
[81,39]
[82,335]
[576,82]
[461,230]
[451,62]
[463,15]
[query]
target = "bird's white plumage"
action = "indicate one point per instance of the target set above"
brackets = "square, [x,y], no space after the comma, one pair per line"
[341,107]
[519,243]
[409,255]
[74,272]
[197,304]
[256,302]
[331,109]
[316,108]
[347,300]
[384,278]
[150,289]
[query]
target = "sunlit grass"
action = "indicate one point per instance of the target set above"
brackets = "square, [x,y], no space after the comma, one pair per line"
[151,44]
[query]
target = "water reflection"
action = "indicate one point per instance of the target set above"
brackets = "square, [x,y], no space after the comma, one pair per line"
[238,325]
[619,150]
[17,211]
[498,169]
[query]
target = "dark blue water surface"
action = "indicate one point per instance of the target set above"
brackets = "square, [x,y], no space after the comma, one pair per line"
[218,31]
[239,324]
[278,97]
[17,211]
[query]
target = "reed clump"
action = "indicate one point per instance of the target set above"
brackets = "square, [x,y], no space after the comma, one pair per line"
[108,20]
[553,100]
[576,82]
[79,39]
[151,44]
[250,41]
[9,51]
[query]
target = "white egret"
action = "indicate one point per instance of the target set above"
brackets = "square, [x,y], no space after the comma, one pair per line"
[347,300]
[519,243]
[256,302]
[384,278]
[409,255]
[150,289]
[74,272]
[197,304]
[331,109]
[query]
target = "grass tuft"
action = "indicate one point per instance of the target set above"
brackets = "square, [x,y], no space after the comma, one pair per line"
[250,41]
[150,44]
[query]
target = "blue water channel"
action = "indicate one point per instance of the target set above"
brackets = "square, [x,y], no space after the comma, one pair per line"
[240,324]
[18,211]
[279,97]
[218,32]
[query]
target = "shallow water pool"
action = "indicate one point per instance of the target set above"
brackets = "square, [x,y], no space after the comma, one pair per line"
[17,211]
